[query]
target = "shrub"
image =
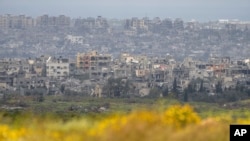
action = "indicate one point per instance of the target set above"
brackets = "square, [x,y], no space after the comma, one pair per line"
[175,123]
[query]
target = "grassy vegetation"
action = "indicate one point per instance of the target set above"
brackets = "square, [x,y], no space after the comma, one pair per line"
[81,106]
[84,118]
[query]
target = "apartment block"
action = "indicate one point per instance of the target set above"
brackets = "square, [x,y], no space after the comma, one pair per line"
[57,67]
[94,63]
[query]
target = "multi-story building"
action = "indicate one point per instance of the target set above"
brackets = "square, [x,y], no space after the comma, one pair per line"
[63,20]
[15,22]
[5,80]
[10,66]
[43,20]
[30,22]
[47,20]
[178,24]
[91,23]
[101,22]
[93,63]
[135,24]
[57,67]
[4,21]
[167,24]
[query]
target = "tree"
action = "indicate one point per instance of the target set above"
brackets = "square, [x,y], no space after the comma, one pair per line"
[117,87]
[154,92]
[62,88]
[185,95]
[40,98]
[175,90]
[44,71]
[175,85]
[240,87]
[165,92]
[201,87]
[218,87]
[190,88]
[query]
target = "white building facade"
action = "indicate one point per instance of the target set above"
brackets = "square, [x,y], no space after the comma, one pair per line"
[57,67]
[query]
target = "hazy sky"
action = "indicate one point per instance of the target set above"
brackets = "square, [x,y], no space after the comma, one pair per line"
[203,10]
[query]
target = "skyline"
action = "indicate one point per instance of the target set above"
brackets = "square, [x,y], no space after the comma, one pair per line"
[200,10]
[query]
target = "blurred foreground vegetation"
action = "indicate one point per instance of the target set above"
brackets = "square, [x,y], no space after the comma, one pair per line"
[120,119]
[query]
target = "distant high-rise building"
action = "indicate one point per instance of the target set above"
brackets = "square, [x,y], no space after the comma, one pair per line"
[178,24]
[191,24]
[127,24]
[101,22]
[91,22]
[29,22]
[157,20]
[63,20]
[167,24]
[135,24]
[4,22]
[43,20]
[52,21]
[16,22]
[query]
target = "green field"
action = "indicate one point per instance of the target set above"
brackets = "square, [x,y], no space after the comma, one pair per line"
[82,106]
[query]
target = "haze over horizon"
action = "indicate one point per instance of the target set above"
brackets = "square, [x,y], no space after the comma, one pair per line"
[200,10]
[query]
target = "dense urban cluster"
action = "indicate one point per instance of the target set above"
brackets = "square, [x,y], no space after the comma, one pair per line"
[102,57]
